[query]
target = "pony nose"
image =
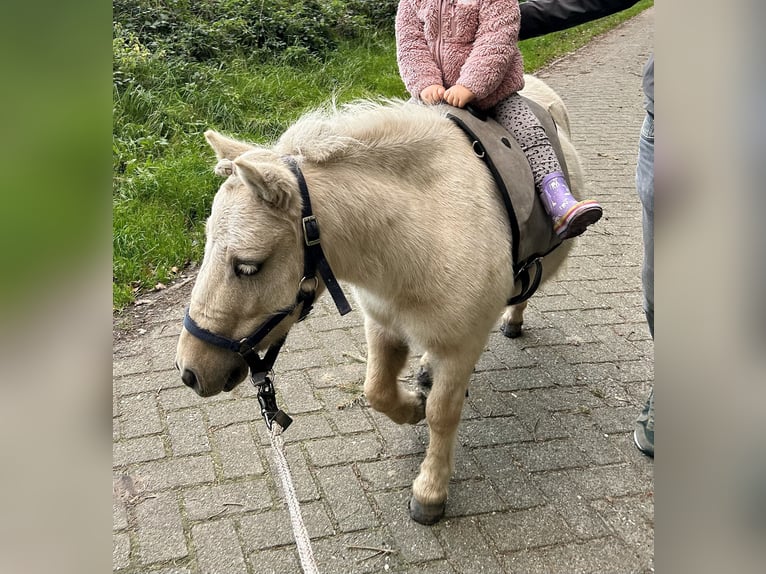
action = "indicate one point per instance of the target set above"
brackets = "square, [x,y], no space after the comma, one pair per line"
[189,378]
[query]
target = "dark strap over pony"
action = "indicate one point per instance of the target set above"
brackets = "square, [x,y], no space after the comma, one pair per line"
[532,235]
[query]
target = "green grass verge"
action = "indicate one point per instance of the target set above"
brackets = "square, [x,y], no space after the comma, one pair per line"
[163,183]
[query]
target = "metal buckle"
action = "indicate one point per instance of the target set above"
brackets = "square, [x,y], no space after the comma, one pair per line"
[311,219]
[267,398]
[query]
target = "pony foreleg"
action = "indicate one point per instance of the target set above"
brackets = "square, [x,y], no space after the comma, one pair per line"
[512,320]
[443,409]
[386,356]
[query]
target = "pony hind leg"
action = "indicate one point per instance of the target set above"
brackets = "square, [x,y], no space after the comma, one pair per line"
[443,410]
[513,319]
[386,357]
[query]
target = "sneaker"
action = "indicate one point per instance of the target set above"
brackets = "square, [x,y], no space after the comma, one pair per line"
[570,217]
[643,435]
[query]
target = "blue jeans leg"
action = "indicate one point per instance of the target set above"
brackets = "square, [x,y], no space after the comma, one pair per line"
[645,188]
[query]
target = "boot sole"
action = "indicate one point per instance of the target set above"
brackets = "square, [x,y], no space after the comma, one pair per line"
[576,223]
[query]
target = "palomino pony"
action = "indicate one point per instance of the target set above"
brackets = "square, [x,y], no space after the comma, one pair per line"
[409,217]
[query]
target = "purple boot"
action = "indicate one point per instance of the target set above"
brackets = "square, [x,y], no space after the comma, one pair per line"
[570,217]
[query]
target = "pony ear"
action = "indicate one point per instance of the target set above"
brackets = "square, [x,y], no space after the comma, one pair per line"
[272,182]
[224,147]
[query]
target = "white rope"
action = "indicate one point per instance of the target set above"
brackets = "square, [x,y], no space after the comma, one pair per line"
[299,529]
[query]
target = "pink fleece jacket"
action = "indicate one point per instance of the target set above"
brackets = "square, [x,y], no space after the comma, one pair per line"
[468,42]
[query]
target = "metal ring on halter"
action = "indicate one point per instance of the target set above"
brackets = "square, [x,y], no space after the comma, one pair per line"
[316,284]
[480,153]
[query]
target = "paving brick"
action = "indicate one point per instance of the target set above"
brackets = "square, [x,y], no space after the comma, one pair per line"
[632,518]
[614,481]
[471,497]
[120,550]
[119,514]
[148,382]
[608,556]
[400,440]
[561,492]
[492,431]
[139,416]
[341,346]
[513,355]
[170,473]
[277,561]
[188,432]
[163,353]
[168,329]
[391,473]
[232,411]
[346,411]
[159,528]
[522,529]
[357,553]
[202,503]
[513,485]
[550,455]
[138,450]
[485,401]
[466,547]
[237,451]
[345,449]
[297,394]
[138,363]
[299,360]
[182,398]
[415,542]
[217,548]
[346,374]
[615,420]
[345,496]
[521,378]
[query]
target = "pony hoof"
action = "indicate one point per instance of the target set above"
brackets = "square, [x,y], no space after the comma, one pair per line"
[511,330]
[426,513]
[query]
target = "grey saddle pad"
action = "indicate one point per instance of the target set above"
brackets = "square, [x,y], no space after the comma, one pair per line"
[532,234]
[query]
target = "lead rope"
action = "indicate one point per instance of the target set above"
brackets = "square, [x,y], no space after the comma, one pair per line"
[299,528]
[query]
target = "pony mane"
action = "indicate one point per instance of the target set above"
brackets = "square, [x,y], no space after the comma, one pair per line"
[331,133]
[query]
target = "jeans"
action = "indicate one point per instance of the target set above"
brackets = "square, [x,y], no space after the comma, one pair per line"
[645,188]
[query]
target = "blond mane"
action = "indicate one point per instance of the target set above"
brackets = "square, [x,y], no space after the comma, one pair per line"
[333,133]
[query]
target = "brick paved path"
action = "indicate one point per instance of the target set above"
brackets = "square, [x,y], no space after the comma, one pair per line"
[547,478]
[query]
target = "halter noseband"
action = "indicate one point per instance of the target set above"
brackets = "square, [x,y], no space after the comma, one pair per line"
[313,260]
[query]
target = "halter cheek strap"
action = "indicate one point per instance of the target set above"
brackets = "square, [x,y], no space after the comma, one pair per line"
[314,258]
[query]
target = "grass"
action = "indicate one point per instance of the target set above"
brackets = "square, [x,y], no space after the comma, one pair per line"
[163,183]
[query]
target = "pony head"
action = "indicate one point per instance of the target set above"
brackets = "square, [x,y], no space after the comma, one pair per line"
[252,265]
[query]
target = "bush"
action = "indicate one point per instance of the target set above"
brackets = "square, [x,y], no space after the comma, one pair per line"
[210,29]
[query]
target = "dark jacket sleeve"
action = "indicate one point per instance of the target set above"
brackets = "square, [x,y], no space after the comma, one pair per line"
[540,17]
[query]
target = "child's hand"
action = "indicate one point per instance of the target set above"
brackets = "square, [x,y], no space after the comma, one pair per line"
[459,96]
[432,94]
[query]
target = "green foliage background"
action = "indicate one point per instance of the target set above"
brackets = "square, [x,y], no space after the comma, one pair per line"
[247,69]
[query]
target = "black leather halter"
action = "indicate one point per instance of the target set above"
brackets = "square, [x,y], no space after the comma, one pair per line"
[314,261]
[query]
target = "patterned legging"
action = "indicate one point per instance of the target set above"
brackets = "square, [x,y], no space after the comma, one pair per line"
[516,117]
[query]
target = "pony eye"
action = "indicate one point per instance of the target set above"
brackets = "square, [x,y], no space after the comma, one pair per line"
[246,268]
